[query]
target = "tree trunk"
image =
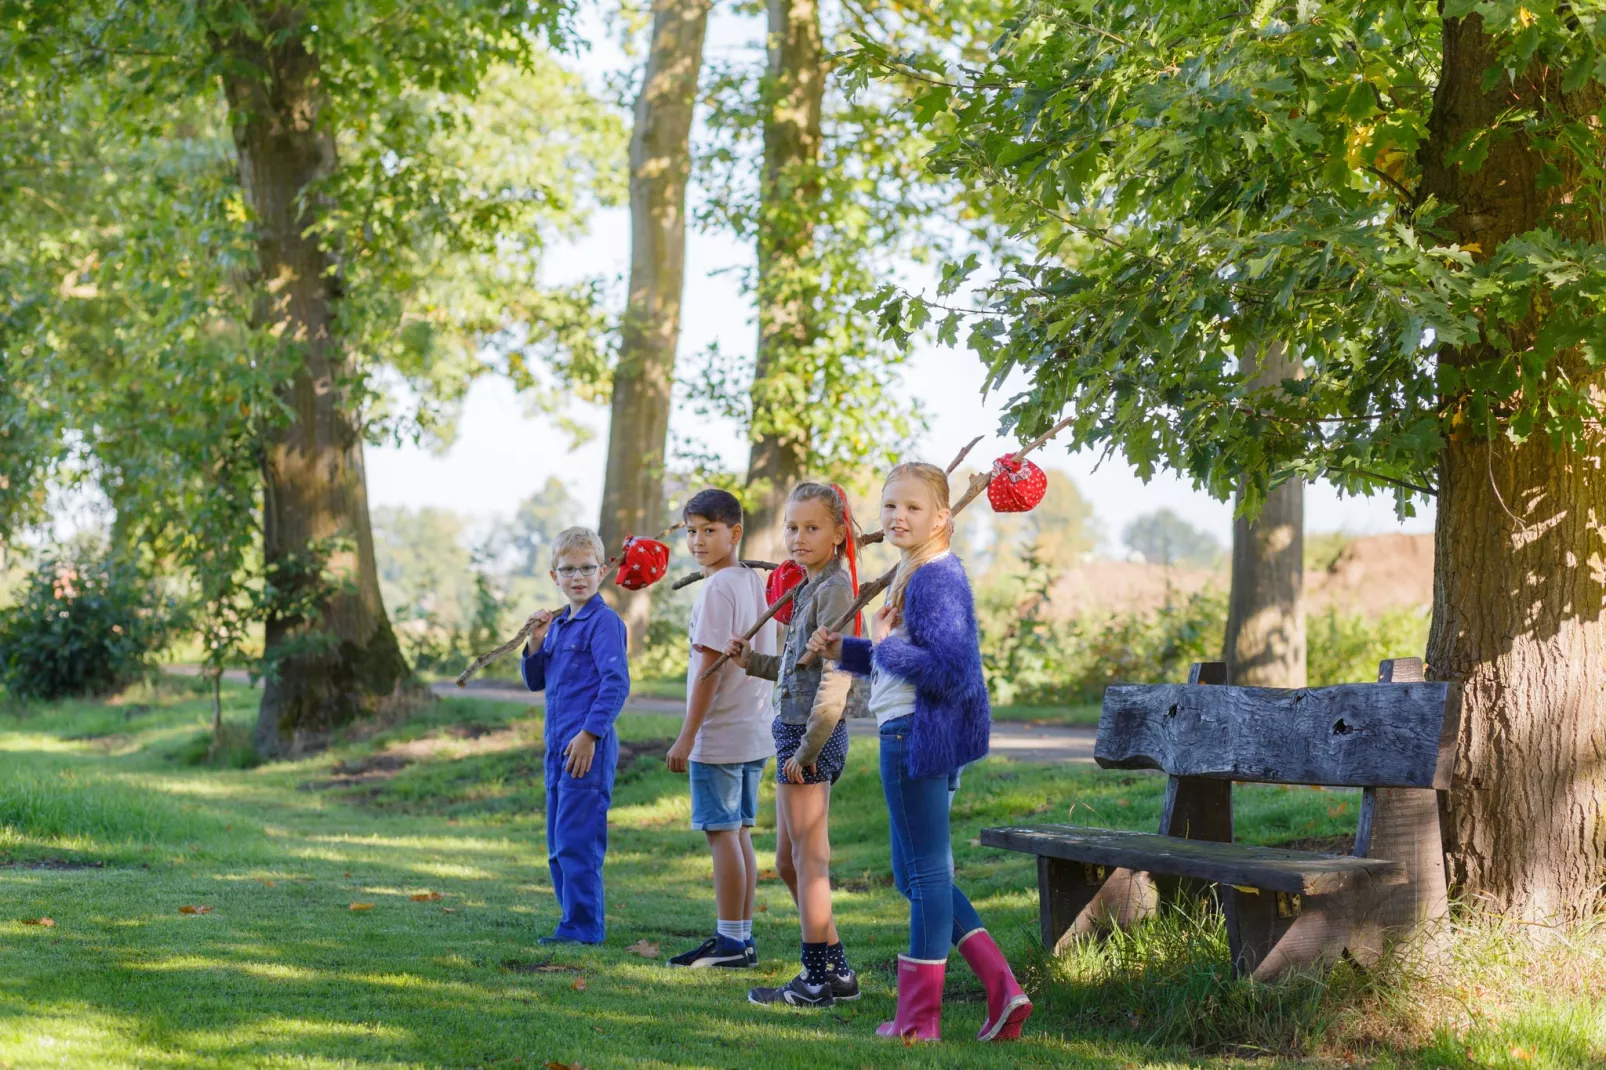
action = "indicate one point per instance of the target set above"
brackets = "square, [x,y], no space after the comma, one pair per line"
[1265,643]
[660,161]
[1519,622]
[334,660]
[794,97]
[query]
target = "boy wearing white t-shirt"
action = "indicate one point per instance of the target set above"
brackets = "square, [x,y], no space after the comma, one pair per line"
[725,740]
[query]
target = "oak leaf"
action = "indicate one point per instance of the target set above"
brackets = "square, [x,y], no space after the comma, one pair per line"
[644,947]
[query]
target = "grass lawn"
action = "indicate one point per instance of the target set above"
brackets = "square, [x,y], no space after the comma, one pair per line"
[1084,714]
[379,904]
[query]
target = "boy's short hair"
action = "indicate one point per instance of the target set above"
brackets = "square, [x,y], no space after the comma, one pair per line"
[571,539]
[719,506]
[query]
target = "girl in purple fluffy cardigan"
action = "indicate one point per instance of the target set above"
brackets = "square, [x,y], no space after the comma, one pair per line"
[929,699]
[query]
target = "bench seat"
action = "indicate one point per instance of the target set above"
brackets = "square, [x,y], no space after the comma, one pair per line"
[1271,868]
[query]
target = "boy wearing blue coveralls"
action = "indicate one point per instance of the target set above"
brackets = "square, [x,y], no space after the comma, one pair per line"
[578,657]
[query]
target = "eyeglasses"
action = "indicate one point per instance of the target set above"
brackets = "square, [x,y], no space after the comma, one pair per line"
[568,572]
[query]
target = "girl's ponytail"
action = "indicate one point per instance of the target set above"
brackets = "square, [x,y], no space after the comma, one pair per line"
[850,549]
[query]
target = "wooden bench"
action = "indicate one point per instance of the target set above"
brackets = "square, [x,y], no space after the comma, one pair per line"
[1284,909]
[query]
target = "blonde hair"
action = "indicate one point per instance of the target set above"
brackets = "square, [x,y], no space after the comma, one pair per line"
[570,539]
[936,481]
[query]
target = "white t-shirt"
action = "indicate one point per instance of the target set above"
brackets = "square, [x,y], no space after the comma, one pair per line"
[737,728]
[893,696]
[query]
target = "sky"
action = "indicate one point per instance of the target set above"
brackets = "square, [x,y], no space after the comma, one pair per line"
[502,453]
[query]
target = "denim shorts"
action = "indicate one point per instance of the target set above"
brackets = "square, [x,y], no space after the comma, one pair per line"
[725,797]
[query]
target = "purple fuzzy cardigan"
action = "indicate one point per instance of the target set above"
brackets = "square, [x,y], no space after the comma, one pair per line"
[942,659]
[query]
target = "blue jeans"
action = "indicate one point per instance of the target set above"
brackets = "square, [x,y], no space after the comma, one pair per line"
[922,854]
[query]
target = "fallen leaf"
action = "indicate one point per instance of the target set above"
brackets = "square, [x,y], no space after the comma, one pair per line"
[186,909]
[427,897]
[48,923]
[361,906]
[762,908]
[348,876]
[266,883]
[1521,1053]
[1123,802]
[555,1065]
[645,948]
[909,1038]
[448,910]
[579,984]
[975,843]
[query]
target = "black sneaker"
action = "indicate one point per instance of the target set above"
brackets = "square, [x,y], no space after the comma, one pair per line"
[844,986]
[795,993]
[710,954]
[752,953]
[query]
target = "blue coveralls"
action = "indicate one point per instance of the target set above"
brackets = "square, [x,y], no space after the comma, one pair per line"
[582,665]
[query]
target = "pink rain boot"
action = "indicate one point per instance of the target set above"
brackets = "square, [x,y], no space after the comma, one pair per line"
[919,1000]
[1007,1006]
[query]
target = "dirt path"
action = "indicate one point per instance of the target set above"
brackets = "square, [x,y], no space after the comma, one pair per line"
[1020,742]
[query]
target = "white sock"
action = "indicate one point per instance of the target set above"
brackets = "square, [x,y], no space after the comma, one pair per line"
[730,930]
[747,930]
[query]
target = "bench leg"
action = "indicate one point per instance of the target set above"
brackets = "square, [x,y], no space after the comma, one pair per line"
[1257,919]
[1272,933]
[1076,899]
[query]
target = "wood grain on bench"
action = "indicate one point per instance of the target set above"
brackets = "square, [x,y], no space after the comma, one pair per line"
[1271,868]
[1351,735]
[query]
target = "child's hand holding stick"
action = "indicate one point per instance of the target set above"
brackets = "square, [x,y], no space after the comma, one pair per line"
[719,662]
[978,483]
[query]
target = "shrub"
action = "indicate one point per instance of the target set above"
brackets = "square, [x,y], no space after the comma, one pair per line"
[1033,659]
[1344,648]
[80,627]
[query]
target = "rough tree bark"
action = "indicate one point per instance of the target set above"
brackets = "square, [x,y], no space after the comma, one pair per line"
[336,667]
[1519,620]
[1265,643]
[660,161]
[794,98]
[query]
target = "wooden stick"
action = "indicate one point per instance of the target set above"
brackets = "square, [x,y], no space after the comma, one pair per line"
[529,625]
[978,483]
[784,600]
[692,577]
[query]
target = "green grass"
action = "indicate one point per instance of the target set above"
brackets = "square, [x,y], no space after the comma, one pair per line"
[282,972]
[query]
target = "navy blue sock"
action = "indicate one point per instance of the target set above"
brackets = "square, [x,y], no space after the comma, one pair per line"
[836,959]
[814,964]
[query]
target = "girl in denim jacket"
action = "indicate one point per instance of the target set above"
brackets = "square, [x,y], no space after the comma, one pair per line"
[811,738]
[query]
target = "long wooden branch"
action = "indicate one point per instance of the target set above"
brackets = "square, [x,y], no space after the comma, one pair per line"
[978,483]
[529,625]
[692,577]
[784,600]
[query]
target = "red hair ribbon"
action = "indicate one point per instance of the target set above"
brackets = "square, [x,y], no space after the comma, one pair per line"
[852,548]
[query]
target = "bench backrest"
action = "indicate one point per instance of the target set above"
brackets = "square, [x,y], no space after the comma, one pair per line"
[1396,735]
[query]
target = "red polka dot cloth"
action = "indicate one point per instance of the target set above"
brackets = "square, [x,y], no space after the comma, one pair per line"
[643,564]
[781,580]
[1016,486]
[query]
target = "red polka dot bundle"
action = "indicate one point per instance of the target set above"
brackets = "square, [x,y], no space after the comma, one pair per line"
[643,564]
[1016,486]
[781,580]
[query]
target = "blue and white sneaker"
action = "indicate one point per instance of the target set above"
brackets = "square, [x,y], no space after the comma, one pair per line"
[714,953]
[752,953]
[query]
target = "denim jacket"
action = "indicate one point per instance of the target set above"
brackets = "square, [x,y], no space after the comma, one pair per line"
[817,689]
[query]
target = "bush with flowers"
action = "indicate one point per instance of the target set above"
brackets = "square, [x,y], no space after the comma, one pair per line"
[80,626]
